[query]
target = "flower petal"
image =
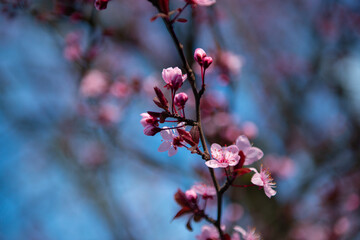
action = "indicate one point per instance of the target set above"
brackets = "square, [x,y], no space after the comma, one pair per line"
[252,155]
[256,179]
[233,149]
[240,230]
[269,191]
[164,146]
[172,151]
[216,151]
[167,135]
[242,142]
[215,164]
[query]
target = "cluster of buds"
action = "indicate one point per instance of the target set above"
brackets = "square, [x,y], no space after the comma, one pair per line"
[173,137]
[204,62]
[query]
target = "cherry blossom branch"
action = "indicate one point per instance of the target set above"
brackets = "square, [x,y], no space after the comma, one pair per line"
[205,155]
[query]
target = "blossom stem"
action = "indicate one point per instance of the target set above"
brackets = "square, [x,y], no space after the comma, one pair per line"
[178,14]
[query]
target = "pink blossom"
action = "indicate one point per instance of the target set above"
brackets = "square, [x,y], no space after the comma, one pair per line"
[108,113]
[119,89]
[172,141]
[93,84]
[230,62]
[191,195]
[150,124]
[223,157]
[173,78]
[147,119]
[247,235]
[264,180]
[199,55]
[204,190]
[233,212]
[72,49]
[208,232]
[202,2]
[101,4]
[180,100]
[151,130]
[251,154]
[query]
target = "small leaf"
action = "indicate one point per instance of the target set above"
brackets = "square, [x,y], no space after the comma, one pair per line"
[188,224]
[154,18]
[181,199]
[183,20]
[182,211]
[194,132]
[161,98]
[186,136]
[154,114]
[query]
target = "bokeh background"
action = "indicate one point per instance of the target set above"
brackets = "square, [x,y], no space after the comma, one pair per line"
[75,164]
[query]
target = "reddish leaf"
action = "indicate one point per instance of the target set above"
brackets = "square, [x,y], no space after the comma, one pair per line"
[183,20]
[188,224]
[186,136]
[182,211]
[162,102]
[181,199]
[164,6]
[154,114]
[195,135]
[154,18]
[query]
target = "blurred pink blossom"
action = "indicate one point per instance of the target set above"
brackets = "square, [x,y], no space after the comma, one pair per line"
[72,49]
[283,167]
[119,89]
[250,234]
[93,84]
[204,190]
[202,2]
[208,232]
[233,212]
[250,129]
[109,113]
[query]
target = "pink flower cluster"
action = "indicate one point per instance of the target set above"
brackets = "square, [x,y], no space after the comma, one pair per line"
[239,155]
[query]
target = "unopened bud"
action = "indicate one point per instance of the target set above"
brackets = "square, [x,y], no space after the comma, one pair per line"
[207,61]
[180,100]
[199,55]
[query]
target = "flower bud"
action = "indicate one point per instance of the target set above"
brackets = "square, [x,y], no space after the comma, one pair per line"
[207,62]
[199,55]
[101,4]
[151,130]
[191,195]
[180,100]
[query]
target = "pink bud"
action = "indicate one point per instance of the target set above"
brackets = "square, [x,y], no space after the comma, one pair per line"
[191,195]
[101,4]
[207,62]
[181,99]
[199,55]
[151,130]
